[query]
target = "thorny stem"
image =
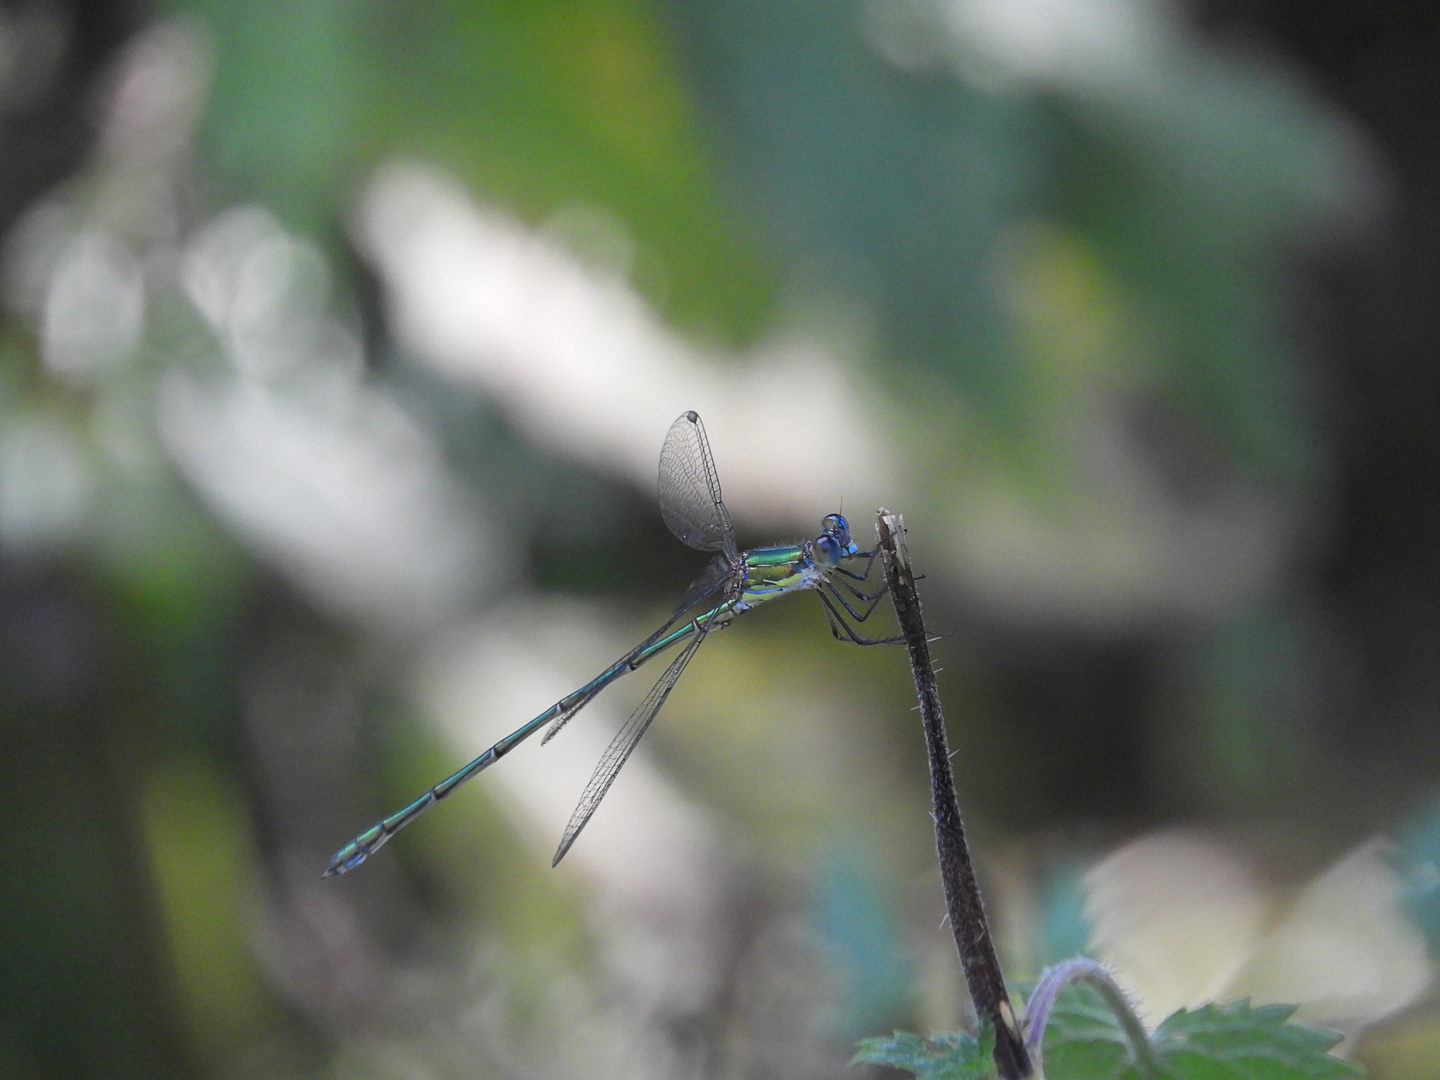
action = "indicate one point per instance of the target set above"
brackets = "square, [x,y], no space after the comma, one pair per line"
[1082,969]
[957,873]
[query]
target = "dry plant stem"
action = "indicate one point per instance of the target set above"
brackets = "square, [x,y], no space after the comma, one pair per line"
[1082,969]
[962,893]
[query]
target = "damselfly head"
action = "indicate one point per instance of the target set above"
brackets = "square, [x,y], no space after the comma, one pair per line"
[835,537]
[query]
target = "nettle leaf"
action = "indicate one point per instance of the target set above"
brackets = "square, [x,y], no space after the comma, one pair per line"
[1084,1040]
[941,1057]
[1238,1041]
[1241,1041]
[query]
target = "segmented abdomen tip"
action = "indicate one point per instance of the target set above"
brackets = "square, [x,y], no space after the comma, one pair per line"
[339,863]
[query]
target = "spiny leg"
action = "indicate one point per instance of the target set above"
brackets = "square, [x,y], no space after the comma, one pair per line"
[830,617]
[838,623]
[869,557]
[864,598]
[853,591]
[857,616]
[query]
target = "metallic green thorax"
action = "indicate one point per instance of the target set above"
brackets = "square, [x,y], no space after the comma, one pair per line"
[772,572]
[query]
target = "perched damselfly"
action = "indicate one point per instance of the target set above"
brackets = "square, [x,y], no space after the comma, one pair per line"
[734,583]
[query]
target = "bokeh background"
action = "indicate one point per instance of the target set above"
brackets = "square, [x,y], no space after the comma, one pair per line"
[339,339]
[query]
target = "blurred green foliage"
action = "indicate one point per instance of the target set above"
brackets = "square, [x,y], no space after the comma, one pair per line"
[538,106]
[1015,253]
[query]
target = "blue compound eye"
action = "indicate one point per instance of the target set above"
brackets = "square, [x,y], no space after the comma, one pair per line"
[836,526]
[826,550]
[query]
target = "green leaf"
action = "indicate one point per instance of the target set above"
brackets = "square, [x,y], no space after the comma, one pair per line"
[1084,1040]
[941,1057]
[1238,1041]
[1241,1041]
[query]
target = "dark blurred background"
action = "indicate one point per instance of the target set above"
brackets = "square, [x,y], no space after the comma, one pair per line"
[338,343]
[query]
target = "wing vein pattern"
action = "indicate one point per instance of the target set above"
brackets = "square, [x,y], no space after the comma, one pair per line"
[714,576]
[690,500]
[623,745]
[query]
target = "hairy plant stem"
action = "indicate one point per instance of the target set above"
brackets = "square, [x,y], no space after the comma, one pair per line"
[957,873]
[1082,969]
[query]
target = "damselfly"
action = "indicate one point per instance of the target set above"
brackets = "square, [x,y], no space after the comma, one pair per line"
[734,583]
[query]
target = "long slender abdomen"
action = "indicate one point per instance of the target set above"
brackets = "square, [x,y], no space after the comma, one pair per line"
[375,837]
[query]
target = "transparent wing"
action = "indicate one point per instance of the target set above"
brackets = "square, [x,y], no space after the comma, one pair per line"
[623,745]
[564,718]
[711,579]
[690,499]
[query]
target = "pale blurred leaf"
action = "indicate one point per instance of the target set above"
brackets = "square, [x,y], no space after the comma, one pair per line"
[1344,949]
[1177,915]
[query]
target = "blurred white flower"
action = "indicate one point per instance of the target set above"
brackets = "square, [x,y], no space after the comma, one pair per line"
[325,475]
[264,291]
[348,497]
[94,307]
[580,362]
[1080,41]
